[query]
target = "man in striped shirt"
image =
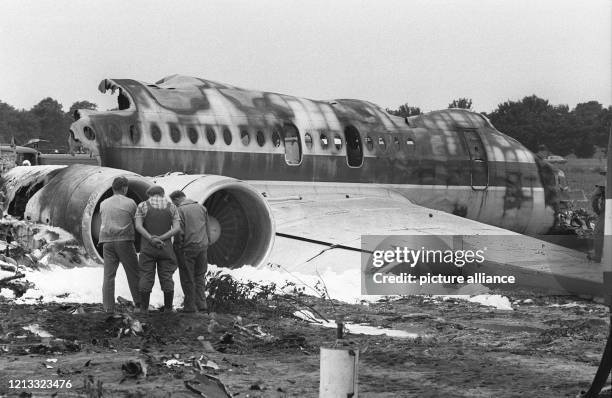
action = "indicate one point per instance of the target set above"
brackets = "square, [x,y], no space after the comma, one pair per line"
[157,220]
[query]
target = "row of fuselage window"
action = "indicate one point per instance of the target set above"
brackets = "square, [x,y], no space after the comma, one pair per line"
[260,137]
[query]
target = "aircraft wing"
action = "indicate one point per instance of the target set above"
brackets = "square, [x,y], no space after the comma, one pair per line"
[319,229]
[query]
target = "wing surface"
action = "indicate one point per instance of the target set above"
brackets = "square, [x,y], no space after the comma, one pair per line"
[320,231]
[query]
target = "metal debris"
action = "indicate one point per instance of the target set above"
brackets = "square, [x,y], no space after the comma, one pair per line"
[207,386]
[134,368]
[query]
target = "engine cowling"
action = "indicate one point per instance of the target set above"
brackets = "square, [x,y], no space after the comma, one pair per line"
[70,198]
[241,219]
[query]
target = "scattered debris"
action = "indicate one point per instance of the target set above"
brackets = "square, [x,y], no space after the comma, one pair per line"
[207,386]
[36,329]
[134,369]
[354,328]
[256,387]
[174,362]
[227,338]
[124,325]
[212,365]
[254,330]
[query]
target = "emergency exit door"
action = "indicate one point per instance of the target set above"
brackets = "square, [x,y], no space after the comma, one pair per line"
[479,168]
[293,145]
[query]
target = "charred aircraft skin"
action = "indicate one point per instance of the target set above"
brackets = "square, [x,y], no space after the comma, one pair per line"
[452,160]
[69,197]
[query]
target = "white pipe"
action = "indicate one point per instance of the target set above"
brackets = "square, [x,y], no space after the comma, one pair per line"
[339,371]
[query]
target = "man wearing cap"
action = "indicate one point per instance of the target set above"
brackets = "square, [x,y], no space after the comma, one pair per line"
[117,237]
[157,220]
[191,247]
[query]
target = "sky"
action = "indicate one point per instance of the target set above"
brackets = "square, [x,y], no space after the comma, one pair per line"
[425,53]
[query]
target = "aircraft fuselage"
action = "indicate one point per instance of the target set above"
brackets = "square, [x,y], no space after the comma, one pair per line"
[452,160]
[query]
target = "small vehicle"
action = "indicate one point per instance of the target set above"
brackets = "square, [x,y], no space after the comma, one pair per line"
[556,159]
[17,154]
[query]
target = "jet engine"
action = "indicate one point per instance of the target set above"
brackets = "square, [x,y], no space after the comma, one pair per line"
[240,218]
[70,197]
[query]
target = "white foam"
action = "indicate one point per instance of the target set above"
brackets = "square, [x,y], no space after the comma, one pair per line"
[353,328]
[84,285]
[37,330]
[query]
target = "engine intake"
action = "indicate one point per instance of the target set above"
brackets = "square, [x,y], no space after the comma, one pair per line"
[241,219]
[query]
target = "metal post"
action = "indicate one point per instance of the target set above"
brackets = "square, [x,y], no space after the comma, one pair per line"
[605,366]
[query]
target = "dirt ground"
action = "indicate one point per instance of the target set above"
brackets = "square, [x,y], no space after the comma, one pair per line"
[545,347]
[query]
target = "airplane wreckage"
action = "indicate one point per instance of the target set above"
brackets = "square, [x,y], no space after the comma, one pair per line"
[305,172]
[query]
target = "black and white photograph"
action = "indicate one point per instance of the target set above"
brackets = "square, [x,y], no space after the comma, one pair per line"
[318,198]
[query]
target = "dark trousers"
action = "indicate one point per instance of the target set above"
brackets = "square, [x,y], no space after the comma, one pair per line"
[192,265]
[163,260]
[113,253]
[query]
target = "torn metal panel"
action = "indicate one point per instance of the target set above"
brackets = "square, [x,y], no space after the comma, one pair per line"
[71,200]
[19,184]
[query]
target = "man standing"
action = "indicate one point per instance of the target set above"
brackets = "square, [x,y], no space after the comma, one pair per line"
[157,220]
[191,248]
[598,202]
[117,236]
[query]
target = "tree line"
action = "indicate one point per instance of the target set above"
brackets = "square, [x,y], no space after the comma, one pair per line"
[45,120]
[538,124]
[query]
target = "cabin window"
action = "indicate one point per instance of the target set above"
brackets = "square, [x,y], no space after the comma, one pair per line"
[293,145]
[308,140]
[227,135]
[261,138]
[354,150]
[369,143]
[211,137]
[396,141]
[382,143]
[245,137]
[134,134]
[276,140]
[89,133]
[192,133]
[324,140]
[175,133]
[155,133]
[337,142]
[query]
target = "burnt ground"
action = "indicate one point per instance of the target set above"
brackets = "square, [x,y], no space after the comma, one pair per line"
[546,347]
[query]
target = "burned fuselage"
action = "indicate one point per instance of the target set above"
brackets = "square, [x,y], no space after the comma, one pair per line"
[452,160]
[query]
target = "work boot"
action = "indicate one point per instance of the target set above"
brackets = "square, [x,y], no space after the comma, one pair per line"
[144,301]
[168,298]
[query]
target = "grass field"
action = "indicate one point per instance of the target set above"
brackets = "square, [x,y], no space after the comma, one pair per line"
[583,174]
